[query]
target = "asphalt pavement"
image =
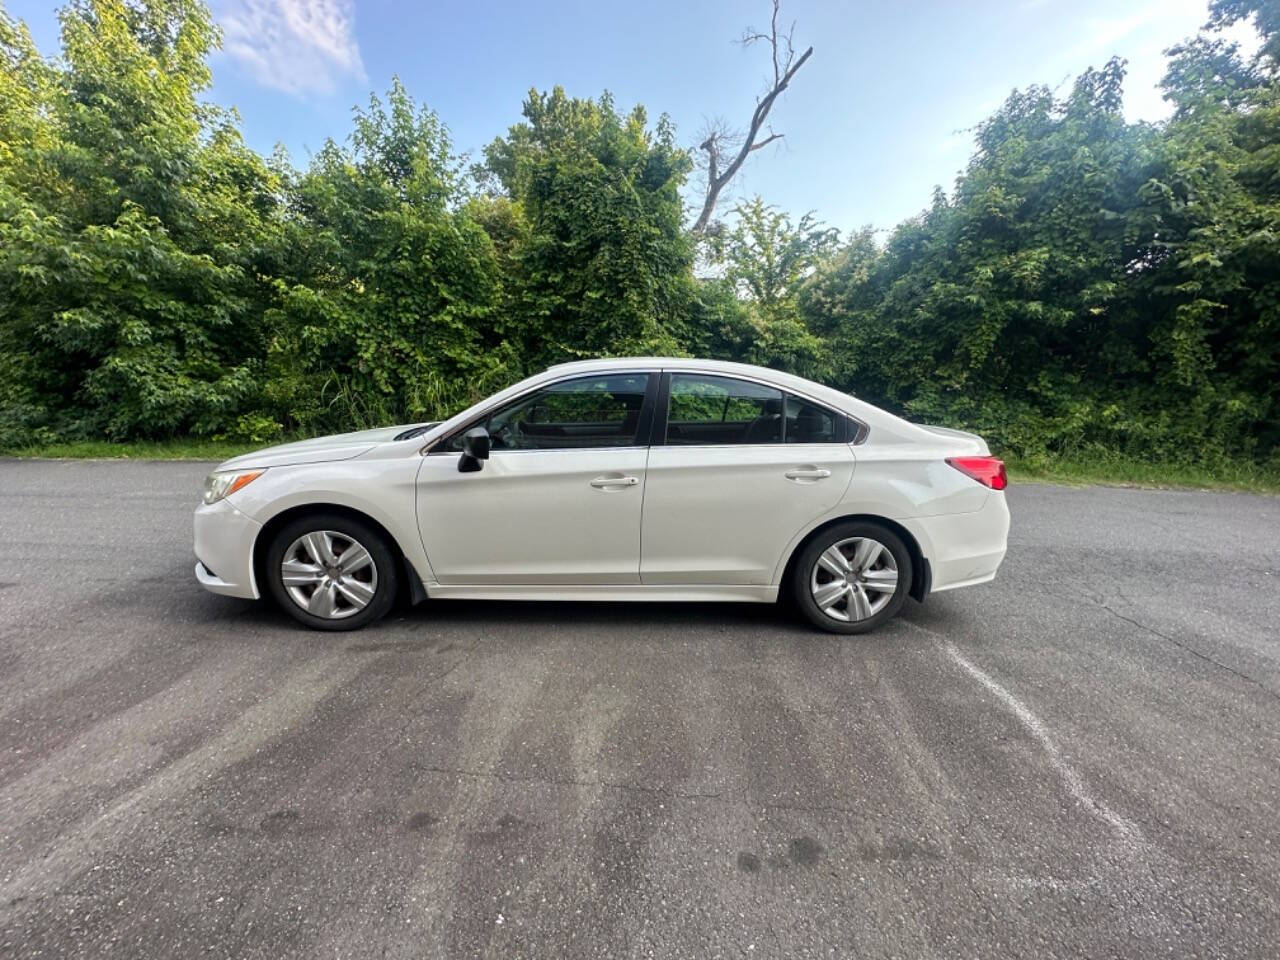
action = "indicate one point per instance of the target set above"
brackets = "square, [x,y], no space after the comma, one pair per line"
[1081,759]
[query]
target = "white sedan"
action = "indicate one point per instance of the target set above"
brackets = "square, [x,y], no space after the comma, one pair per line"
[625,479]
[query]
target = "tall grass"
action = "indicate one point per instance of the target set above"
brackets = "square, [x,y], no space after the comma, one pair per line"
[1117,469]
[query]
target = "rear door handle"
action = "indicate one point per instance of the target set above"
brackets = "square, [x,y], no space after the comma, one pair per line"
[608,483]
[808,474]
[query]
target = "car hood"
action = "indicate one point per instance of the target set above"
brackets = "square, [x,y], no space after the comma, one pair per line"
[338,446]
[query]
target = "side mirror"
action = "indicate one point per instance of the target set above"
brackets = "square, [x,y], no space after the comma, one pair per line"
[475,448]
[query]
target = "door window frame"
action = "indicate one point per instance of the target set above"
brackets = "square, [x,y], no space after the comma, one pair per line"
[847,429]
[643,424]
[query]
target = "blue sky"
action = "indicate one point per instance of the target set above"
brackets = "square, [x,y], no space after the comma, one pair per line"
[872,122]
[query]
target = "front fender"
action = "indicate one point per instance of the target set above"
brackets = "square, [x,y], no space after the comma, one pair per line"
[381,489]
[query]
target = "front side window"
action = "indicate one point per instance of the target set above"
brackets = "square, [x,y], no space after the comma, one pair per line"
[706,409]
[599,411]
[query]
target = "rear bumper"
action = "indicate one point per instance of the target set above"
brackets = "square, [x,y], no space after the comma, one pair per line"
[224,539]
[964,548]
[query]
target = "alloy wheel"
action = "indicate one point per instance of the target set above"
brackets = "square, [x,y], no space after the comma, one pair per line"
[329,574]
[854,579]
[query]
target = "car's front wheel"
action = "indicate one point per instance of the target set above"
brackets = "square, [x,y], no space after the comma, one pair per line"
[852,577]
[332,572]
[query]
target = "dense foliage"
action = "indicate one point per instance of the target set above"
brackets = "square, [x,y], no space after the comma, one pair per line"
[1087,284]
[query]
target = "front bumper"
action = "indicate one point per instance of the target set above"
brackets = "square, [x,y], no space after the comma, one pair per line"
[964,548]
[224,539]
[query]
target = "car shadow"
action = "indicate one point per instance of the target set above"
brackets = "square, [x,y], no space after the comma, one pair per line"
[471,615]
[618,617]
[610,614]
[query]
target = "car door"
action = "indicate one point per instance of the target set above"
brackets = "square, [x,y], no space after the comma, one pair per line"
[558,500]
[736,469]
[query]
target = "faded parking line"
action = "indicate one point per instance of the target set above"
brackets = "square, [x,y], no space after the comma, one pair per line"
[1071,778]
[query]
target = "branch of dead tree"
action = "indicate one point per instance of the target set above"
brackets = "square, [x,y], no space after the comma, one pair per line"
[721,168]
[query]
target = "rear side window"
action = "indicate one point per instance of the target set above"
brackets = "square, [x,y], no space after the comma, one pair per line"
[705,409]
[809,423]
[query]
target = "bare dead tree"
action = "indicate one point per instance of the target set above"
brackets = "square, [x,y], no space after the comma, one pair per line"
[727,150]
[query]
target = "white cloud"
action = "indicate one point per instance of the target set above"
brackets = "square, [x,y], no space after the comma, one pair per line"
[297,46]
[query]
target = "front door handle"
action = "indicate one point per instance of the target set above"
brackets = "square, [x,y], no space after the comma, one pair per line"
[807,474]
[610,483]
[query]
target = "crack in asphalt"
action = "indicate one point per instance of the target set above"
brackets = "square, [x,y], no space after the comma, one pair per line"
[1102,604]
[1099,600]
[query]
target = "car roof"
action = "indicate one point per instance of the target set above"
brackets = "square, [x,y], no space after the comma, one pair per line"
[885,426]
[785,381]
[665,363]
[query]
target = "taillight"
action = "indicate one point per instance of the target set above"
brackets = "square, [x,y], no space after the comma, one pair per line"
[988,471]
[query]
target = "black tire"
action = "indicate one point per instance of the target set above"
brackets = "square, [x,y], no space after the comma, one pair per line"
[803,573]
[386,565]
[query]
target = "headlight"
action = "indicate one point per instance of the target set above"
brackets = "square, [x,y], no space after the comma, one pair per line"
[219,485]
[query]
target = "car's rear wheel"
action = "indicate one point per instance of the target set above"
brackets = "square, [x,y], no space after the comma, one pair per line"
[852,577]
[332,572]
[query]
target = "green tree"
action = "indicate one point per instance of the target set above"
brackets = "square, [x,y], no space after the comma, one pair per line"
[1217,205]
[1087,283]
[602,265]
[26,87]
[1090,283]
[133,227]
[1001,302]
[388,297]
[764,260]
[1265,16]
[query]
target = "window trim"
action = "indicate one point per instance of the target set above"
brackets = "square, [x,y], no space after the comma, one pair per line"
[643,425]
[656,404]
[844,423]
